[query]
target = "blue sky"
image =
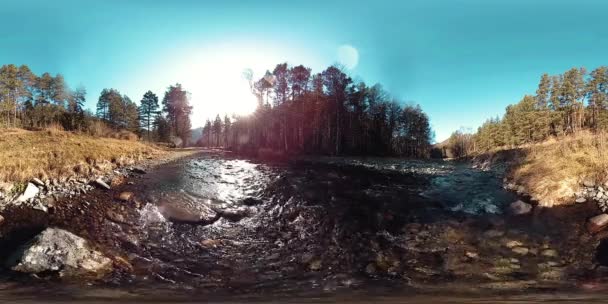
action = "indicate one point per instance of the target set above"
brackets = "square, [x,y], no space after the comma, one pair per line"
[462,60]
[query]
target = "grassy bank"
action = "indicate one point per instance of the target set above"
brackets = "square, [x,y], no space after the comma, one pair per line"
[552,172]
[60,155]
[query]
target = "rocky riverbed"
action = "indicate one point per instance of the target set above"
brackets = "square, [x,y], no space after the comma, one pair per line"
[214,224]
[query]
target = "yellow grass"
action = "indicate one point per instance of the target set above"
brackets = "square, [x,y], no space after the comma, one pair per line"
[551,172]
[58,154]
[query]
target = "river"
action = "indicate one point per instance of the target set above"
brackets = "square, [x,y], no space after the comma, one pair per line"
[319,230]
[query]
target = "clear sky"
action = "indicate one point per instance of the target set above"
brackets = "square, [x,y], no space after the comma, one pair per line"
[462,60]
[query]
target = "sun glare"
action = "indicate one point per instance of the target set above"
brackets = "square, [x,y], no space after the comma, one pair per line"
[213,74]
[217,85]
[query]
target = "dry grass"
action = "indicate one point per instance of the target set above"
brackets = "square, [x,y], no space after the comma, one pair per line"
[57,154]
[551,172]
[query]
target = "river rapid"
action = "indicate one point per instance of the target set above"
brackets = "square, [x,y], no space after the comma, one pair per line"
[316,230]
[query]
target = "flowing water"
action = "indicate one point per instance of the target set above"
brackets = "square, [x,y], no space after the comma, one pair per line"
[313,231]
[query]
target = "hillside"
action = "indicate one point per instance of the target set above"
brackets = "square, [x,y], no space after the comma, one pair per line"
[554,172]
[59,155]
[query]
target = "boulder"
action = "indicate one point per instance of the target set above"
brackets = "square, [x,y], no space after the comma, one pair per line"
[519,207]
[30,192]
[62,252]
[188,213]
[597,223]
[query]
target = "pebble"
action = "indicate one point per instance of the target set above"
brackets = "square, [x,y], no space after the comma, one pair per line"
[550,253]
[513,244]
[316,265]
[471,255]
[589,183]
[125,196]
[494,233]
[37,182]
[521,250]
[99,182]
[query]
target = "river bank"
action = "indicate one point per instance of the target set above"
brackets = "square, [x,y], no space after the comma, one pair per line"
[316,226]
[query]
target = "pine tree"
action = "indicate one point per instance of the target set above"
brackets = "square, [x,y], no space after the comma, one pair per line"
[148,110]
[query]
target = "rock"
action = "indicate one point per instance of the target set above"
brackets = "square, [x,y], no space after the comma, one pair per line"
[250,201]
[370,269]
[512,244]
[1,219]
[30,192]
[471,255]
[234,214]
[550,253]
[37,182]
[521,190]
[59,251]
[117,181]
[188,213]
[315,265]
[138,170]
[101,184]
[6,187]
[597,223]
[493,233]
[519,207]
[115,217]
[581,200]
[521,250]
[589,183]
[41,207]
[211,243]
[125,196]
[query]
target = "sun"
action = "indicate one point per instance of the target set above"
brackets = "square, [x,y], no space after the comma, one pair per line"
[217,86]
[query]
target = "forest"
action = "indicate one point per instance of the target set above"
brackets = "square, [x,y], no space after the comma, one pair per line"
[563,105]
[325,113]
[298,112]
[35,102]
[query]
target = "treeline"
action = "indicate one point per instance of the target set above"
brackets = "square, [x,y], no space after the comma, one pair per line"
[31,101]
[38,102]
[563,104]
[324,113]
[171,123]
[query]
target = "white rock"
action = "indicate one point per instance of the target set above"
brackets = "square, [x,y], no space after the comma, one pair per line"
[30,192]
[59,250]
[581,200]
